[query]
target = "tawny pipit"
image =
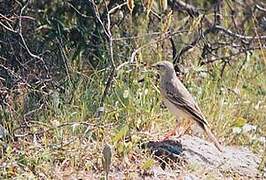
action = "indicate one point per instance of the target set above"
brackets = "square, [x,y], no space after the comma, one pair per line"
[179,101]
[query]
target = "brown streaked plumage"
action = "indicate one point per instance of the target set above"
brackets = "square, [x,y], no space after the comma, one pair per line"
[179,101]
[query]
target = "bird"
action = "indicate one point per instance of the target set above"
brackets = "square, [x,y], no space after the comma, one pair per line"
[179,101]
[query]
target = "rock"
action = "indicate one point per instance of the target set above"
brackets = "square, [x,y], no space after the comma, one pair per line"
[198,152]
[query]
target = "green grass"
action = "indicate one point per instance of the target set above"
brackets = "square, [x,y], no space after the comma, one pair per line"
[67,139]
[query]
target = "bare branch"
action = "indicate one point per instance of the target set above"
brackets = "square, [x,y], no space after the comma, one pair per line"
[260,8]
[239,36]
[23,40]
[181,5]
[200,35]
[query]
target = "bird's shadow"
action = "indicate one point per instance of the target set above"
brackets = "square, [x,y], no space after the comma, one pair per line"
[165,151]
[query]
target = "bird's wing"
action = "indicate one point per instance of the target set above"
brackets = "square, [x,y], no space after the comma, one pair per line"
[184,101]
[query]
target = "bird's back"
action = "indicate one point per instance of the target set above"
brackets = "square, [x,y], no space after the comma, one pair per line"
[173,90]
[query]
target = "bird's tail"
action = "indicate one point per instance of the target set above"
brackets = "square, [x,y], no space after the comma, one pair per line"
[212,137]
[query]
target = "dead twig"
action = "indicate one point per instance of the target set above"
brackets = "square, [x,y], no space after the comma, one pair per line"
[214,29]
[239,36]
[196,39]
[260,8]
[23,40]
[218,58]
[182,6]
[108,33]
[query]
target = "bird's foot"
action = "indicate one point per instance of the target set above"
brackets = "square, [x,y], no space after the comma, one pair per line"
[168,135]
[177,132]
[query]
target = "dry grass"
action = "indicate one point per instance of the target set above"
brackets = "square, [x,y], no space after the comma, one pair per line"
[67,140]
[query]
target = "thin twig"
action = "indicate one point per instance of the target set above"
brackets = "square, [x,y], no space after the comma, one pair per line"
[260,8]
[218,58]
[117,7]
[239,36]
[77,11]
[108,33]
[23,40]
[50,128]
[65,60]
[196,39]
[201,35]
[181,5]
[7,28]
[21,35]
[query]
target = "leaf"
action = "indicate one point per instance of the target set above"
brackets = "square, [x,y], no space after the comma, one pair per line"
[130,5]
[163,5]
[240,122]
[107,157]
[121,134]
[120,148]
[126,94]
[147,164]
[167,22]
[148,5]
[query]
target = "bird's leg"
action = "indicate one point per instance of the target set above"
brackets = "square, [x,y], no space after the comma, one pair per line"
[168,135]
[178,130]
[186,127]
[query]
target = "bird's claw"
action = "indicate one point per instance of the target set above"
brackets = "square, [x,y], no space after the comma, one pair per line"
[168,135]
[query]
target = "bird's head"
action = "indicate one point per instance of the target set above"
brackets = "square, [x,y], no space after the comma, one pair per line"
[164,67]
